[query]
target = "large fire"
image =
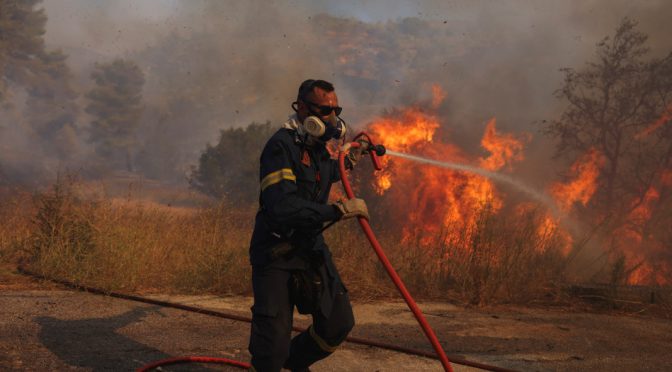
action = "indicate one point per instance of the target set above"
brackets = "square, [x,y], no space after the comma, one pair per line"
[443,202]
[441,205]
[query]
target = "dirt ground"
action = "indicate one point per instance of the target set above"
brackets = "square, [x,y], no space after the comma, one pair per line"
[44,327]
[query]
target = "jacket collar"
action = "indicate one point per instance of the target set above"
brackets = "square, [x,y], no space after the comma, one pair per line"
[301,136]
[292,123]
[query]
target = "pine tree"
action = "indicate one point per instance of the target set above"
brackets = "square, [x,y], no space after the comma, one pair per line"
[51,108]
[115,103]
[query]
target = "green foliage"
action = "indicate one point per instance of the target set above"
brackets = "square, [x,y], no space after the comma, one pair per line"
[115,103]
[231,168]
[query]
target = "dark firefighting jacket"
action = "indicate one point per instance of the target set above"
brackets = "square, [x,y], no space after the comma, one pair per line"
[295,184]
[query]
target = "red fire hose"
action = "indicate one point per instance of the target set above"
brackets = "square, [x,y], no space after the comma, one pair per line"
[194,359]
[364,223]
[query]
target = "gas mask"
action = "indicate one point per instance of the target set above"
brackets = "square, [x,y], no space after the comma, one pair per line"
[333,128]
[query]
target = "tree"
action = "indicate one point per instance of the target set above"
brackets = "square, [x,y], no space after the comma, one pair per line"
[51,107]
[115,103]
[619,105]
[231,168]
[22,29]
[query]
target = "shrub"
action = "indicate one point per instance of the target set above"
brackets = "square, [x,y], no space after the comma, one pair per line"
[230,167]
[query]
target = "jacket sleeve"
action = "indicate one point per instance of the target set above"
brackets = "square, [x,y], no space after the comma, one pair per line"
[279,192]
[335,172]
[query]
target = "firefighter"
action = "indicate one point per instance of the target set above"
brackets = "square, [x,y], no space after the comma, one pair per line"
[291,263]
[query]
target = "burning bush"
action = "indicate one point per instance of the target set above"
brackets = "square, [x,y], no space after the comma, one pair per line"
[495,261]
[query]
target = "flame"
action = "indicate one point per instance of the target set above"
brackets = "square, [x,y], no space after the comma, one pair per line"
[640,249]
[632,239]
[438,95]
[548,228]
[585,172]
[504,149]
[664,118]
[440,203]
[410,128]
[551,227]
[384,182]
[437,205]
[406,130]
[444,202]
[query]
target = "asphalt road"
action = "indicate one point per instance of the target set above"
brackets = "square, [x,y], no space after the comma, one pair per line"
[61,330]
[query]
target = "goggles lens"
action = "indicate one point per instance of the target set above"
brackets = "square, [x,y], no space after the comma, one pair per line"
[325,110]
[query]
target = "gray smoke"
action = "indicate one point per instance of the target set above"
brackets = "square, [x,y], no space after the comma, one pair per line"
[213,64]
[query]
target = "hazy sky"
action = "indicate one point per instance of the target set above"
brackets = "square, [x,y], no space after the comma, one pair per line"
[494,58]
[78,22]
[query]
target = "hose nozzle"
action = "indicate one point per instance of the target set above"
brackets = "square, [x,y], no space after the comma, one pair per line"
[374,150]
[378,149]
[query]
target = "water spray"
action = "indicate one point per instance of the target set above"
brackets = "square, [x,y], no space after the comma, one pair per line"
[535,194]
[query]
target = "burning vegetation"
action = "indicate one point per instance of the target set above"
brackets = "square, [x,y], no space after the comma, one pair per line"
[614,203]
[605,218]
[440,199]
[443,205]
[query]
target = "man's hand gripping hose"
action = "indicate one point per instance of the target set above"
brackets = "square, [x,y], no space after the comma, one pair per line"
[352,208]
[360,140]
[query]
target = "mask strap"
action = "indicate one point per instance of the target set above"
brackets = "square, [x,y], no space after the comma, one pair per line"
[345,128]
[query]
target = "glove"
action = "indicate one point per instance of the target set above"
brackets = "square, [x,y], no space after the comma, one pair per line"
[352,208]
[356,153]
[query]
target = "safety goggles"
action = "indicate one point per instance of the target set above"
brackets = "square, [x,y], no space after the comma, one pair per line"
[325,110]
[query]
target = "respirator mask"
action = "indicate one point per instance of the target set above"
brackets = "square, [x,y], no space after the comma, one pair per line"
[332,128]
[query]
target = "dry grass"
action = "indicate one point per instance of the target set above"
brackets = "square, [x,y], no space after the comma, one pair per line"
[129,245]
[15,227]
[498,261]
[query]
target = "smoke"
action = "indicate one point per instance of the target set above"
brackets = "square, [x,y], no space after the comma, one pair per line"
[212,64]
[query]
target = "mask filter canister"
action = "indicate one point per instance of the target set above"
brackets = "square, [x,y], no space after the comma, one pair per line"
[314,126]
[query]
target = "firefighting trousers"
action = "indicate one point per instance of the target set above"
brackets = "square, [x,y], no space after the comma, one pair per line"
[271,345]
